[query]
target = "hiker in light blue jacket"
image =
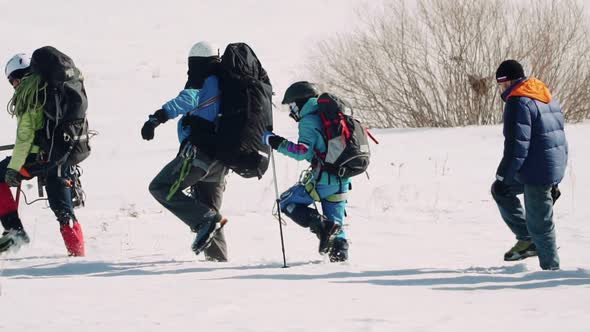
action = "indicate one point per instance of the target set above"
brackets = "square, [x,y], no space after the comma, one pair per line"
[203,102]
[194,167]
[316,185]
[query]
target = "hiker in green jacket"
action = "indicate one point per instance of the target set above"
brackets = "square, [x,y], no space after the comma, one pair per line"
[27,105]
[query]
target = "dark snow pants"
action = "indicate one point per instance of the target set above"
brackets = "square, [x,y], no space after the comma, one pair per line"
[207,180]
[59,194]
[536,224]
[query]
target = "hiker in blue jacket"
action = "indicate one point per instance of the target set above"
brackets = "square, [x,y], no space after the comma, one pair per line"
[315,185]
[194,167]
[533,164]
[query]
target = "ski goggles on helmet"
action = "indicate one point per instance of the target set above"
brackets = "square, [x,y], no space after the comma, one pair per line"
[294,111]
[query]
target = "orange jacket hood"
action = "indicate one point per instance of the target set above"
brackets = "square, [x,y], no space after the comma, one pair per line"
[532,88]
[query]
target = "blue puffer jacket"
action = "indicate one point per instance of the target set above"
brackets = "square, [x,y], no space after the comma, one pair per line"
[310,142]
[535,147]
[203,103]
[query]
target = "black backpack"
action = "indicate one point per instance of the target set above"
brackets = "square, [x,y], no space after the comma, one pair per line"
[347,152]
[246,112]
[64,136]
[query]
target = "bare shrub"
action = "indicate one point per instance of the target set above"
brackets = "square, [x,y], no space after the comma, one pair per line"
[433,64]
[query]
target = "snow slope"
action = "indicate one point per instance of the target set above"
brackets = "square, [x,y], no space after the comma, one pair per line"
[426,238]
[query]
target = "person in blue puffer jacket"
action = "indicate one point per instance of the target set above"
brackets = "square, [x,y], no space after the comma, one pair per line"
[533,164]
[195,165]
[316,185]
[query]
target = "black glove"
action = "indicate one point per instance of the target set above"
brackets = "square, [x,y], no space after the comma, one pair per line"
[555,193]
[12,177]
[148,129]
[269,138]
[275,141]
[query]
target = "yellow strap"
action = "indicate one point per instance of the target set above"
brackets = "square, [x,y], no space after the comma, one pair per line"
[184,172]
[310,188]
[335,198]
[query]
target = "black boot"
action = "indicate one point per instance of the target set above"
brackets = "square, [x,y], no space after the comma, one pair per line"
[206,231]
[11,221]
[339,250]
[325,230]
[14,236]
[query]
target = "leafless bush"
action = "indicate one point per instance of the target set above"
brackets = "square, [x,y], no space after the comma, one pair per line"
[433,64]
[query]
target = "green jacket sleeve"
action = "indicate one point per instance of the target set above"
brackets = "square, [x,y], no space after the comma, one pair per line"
[27,125]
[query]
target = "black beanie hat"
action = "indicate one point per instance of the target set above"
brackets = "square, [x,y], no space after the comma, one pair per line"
[509,70]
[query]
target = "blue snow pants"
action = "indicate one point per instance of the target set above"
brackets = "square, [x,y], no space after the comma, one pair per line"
[296,202]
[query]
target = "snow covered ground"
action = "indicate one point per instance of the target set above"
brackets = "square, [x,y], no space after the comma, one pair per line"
[426,238]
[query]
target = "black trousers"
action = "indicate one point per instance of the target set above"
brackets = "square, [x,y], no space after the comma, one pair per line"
[59,194]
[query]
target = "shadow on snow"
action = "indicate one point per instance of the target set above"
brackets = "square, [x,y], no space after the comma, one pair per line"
[127,268]
[470,279]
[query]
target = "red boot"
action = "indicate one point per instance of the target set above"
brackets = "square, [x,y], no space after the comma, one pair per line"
[73,239]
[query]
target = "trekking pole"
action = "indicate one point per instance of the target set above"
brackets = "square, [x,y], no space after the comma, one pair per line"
[278,202]
[6,147]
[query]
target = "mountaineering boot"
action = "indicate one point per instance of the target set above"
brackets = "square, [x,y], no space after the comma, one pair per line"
[325,230]
[14,235]
[13,239]
[212,258]
[207,231]
[339,250]
[217,249]
[72,234]
[521,250]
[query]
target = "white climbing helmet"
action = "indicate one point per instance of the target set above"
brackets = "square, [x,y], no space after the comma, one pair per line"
[17,62]
[204,49]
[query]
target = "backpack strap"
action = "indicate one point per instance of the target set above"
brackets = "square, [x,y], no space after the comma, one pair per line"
[345,130]
[72,140]
[320,157]
[195,120]
[327,125]
[206,103]
[334,198]
[371,136]
[51,133]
